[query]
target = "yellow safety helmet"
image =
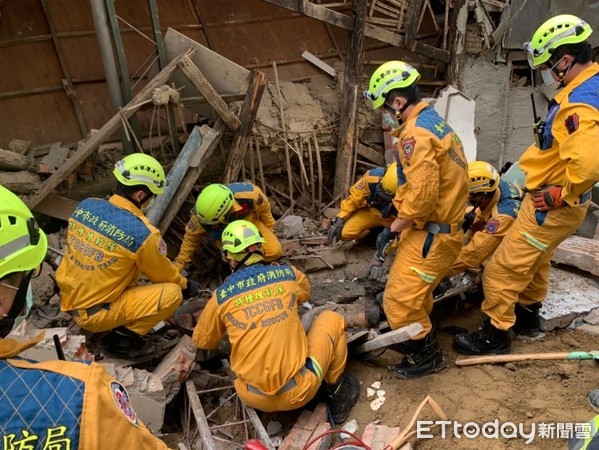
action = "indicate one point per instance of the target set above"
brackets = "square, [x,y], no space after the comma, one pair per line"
[482,177]
[139,169]
[557,31]
[389,180]
[389,76]
[213,204]
[237,237]
[22,243]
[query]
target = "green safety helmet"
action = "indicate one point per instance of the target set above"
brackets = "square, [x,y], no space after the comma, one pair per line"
[238,236]
[213,204]
[389,76]
[139,169]
[22,243]
[557,31]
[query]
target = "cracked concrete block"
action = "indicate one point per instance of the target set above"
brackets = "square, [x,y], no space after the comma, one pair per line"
[19,146]
[12,160]
[579,252]
[292,226]
[20,182]
[176,366]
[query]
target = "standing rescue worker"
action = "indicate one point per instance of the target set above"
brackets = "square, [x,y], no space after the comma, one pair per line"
[560,173]
[369,205]
[217,206]
[430,200]
[110,243]
[496,204]
[278,367]
[53,404]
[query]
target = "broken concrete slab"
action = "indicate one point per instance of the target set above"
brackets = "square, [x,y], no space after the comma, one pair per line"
[326,259]
[55,157]
[309,425]
[335,291]
[20,182]
[13,161]
[592,318]
[291,226]
[579,252]
[588,328]
[569,296]
[43,286]
[174,369]
[588,227]
[19,146]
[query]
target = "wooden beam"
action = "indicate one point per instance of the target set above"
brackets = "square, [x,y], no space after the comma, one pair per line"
[211,138]
[57,206]
[200,82]
[344,21]
[241,138]
[200,416]
[458,43]
[412,21]
[352,80]
[87,147]
[370,154]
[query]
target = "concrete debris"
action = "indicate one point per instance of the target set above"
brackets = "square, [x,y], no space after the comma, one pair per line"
[579,252]
[378,436]
[376,404]
[370,392]
[174,369]
[291,226]
[73,346]
[350,426]
[328,258]
[43,285]
[569,296]
[273,428]
[336,291]
[54,159]
[592,318]
[309,425]
[588,328]
[19,146]
[376,385]
[20,182]
[13,161]
[588,227]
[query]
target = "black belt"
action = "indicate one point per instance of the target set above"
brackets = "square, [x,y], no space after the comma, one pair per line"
[90,311]
[287,386]
[442,228]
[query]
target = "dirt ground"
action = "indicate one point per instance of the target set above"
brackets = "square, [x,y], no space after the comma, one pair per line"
[527,393]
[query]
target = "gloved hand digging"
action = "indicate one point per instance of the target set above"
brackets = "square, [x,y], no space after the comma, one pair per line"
[335,231]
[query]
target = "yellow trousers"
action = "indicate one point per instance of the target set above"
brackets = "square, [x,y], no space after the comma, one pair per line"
[414,275]
[518,271]
[327,347]
[138,309]
[360,222]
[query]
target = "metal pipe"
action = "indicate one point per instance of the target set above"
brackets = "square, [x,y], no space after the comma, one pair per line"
[109,62]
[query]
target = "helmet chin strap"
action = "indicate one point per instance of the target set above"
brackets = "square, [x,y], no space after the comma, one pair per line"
[561,74]
[397,112]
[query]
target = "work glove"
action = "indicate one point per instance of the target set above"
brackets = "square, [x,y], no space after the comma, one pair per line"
[383,241]
[548,198]
[376,270]
[469,220]
[191,290]
[335,230]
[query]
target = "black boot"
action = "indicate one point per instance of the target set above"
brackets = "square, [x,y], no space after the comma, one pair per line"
[488,340]
[124,343]
[422,357]
[342,396]
[528,321]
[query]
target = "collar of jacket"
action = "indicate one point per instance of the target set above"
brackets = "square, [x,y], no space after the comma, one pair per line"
[583,76]
[9,348]
[125,204]
[417,109]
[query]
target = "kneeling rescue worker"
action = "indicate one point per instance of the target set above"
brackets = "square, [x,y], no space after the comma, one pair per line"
[559,174]
[52,404]
[278,367]
[220,204]
[430,200]
[110,243]
[369,205]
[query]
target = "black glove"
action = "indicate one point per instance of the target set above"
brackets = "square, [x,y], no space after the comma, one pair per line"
[191,290]
[335,230]
[469,220]
[376,270]
[383,241]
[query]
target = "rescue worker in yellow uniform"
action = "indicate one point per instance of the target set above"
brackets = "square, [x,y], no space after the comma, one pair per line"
[110,243]
[559,174]
[496,204]
[53,404]
[278,367]
[430,200]
[216,207]
[369,205]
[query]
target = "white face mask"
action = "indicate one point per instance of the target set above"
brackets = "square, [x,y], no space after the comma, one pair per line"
[547,77]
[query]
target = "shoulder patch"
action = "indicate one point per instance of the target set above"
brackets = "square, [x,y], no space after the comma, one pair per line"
[162,247]
[492,226]
[122,402]
[572,122]
[360,184]
[407,146]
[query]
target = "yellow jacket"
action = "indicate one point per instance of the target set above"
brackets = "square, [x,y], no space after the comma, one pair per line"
[569,154]
[368,192]
[249,203]
[257,307]
[489,228]
[65,405]
[432,176]
[110,243]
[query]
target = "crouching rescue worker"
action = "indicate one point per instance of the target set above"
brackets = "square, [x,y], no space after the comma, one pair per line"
[559,174]
[430,200]
[369,205]
[496,204]
[53,404]
[278,367]
[110,243]
[216,207]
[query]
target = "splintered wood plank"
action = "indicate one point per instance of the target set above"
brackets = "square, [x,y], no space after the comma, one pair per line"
[392,337]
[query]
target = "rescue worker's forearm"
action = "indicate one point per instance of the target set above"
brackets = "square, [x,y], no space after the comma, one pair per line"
[191,242]
[401,224]
[210,329]
[157,267]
